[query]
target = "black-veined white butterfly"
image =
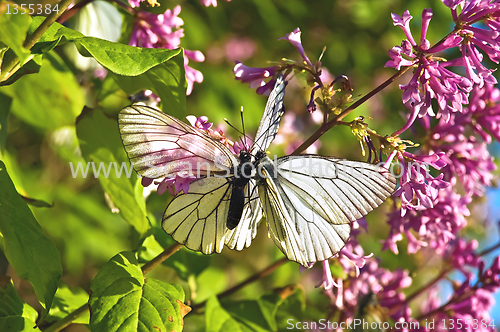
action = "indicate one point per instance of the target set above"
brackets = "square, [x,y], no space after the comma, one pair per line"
[309,201]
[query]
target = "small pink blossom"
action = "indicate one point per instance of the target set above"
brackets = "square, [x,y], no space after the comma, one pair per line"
[294,38]
[208,3]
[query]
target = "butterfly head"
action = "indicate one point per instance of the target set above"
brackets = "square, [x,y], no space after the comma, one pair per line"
[244,156]
[260,154]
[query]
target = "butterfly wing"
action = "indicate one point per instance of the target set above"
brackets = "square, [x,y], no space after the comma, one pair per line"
[160,145]
[271,118]
[198,218]
[241,237]
[310,200]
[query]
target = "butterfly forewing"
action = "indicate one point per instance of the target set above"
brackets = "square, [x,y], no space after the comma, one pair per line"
[271,118]
[159,145]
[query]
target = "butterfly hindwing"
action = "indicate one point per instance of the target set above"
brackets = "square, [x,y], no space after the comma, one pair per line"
[309,202]
[198,218]
[241,237]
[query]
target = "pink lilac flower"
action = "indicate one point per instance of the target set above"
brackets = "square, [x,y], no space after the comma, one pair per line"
[175,184]
[327,281]
[466,157]
[475,38]
[387,287]
[418,189]
[256,76]
[470,301]
[208,3]
[435,227]
[462,254]
[485,110]
[431,79]
[294,38]
[135,3]
[163,31]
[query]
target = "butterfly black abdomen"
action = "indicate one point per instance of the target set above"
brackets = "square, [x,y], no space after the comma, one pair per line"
[236,205]
[241,179]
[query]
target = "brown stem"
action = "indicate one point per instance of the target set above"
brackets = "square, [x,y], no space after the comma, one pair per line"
[59,325]
[487,251]
[335,121]
[443,307]
[72,11]
[31,40]
[161,257]
[427,286]
[247,281]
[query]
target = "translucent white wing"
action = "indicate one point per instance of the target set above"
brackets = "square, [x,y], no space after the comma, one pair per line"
[310,200]
[271,118]
[198,219]
[241,237]
[160,145]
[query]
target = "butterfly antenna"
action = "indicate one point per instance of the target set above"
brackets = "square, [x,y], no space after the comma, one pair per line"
[244,138]
[237,130]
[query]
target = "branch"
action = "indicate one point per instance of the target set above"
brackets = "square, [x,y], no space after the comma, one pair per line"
[161,257]
[487,251]
[335,121]
[427,286]
[72,11]
[59,325]
[267,271]
[34,37]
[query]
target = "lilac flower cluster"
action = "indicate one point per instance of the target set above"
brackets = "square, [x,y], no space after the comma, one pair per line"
[163,31]
[457,105]
[365,278]
[471,300]
[458,141]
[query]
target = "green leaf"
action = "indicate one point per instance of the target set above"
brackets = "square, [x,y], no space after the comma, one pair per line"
[32,255]
[15,315]
[5,102]
[217,319]
[213,276]
[123,300]
[188,262]
[167,80]
[36,202]
[31,67]
[53,97]
[135,68]
[101,145]
[13,30]
[271,311]
[52,37]
[66,301]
